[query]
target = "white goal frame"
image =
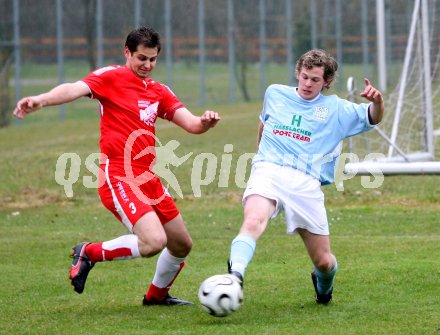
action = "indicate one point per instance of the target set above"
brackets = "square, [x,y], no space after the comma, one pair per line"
[406,163]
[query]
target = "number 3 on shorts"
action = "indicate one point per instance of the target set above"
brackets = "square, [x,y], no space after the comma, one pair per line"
[132,207]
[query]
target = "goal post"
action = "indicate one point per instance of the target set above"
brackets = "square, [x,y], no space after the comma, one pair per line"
[405,139]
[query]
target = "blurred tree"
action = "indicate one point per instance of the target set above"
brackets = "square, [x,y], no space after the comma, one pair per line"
[303,41]
[246,35]
[5,98]
[6,57]
[90,31]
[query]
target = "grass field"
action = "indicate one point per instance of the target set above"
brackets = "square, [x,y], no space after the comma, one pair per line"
[387,241]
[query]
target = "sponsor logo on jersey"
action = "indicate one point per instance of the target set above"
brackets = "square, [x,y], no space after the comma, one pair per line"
[321,113]
[293,132]
[148,112]
[292,135]
[296,120]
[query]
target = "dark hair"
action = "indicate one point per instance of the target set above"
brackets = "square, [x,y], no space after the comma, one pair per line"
[145,36]
[319,58]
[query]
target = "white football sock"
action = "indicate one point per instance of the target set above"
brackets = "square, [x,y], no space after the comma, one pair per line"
[167,268]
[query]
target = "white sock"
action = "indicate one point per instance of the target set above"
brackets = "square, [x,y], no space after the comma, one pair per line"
[167,269]
[121,243]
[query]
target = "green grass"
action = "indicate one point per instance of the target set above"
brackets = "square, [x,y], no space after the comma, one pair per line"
[386,240]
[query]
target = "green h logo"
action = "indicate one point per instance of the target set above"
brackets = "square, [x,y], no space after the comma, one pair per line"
[296,119]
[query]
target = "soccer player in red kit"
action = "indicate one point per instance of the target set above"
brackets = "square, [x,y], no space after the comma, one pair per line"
[130,102]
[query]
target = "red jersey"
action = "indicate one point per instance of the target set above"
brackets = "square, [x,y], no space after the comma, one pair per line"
[129,108]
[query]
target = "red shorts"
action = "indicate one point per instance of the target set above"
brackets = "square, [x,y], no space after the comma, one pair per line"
[129,197]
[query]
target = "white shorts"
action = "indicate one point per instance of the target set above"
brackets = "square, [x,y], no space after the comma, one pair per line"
[299,194]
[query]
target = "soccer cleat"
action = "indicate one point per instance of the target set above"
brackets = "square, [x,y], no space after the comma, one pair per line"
[81,266]
[235,273]
[167,301]
[323,299]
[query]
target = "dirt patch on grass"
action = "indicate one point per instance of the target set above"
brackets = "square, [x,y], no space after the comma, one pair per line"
[32,198]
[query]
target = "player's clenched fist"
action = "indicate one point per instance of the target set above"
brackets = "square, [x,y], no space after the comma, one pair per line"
[209,119]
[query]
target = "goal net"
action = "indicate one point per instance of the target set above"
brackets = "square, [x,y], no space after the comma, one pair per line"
[404,142]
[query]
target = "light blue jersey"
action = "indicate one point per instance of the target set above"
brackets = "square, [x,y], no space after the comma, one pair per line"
[307,134]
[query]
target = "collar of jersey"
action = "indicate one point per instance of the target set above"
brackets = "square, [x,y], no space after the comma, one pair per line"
[305,100]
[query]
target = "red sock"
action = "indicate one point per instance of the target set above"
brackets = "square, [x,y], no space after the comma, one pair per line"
[97,253]
[155,293]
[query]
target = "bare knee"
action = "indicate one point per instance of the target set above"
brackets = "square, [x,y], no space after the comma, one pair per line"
[184,248]
[151,235]
[181,247]
[325,263]
[179,241]
[253,225]
[152,244]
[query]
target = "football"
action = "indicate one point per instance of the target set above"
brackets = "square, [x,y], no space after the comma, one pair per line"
[220,295]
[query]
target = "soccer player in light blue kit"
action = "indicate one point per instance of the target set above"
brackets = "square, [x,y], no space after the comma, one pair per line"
[299,139]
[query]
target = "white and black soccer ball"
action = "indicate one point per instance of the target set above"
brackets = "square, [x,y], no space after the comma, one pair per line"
[220,295]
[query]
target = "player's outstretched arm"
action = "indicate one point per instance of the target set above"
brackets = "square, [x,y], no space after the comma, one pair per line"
[195,124]
[58,95]
[376,109]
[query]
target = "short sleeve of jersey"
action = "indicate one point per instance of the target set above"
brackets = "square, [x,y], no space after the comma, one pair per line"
[263,114]
[99,80]
[170,103]
[353,117]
